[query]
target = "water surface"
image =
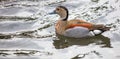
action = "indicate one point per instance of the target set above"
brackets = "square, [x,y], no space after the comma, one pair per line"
[27,30]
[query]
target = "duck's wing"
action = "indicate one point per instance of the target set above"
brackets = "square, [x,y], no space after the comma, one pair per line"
[79,23]
[90,26]
[80,28]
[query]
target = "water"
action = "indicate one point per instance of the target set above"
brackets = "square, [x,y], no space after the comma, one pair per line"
[27,31]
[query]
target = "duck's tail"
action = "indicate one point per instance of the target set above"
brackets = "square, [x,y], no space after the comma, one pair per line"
[101,27]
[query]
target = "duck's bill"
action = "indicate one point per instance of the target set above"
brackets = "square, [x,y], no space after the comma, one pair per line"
[52,12]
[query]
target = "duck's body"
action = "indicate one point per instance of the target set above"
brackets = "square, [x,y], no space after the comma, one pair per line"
[75,27]
[70,30]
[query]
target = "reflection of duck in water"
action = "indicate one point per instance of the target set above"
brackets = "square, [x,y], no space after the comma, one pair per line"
[64,42]
[75,28]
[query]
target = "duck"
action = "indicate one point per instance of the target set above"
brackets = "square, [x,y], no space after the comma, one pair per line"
[76,28]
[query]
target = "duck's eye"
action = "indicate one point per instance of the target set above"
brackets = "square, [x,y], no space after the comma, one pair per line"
[58,9]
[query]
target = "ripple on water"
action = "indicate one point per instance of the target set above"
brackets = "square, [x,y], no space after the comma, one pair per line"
[30,32]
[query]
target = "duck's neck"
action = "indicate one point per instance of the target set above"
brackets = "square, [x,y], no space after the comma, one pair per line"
[64,18]
[64,15]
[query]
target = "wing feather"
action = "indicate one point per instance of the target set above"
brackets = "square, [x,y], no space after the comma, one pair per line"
[79,23]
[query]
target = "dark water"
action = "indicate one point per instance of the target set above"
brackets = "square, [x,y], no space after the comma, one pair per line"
[27,31]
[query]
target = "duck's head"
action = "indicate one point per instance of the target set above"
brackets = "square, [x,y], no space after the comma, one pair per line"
[62,12]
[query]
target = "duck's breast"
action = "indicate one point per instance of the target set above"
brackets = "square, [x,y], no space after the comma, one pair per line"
[77,32]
